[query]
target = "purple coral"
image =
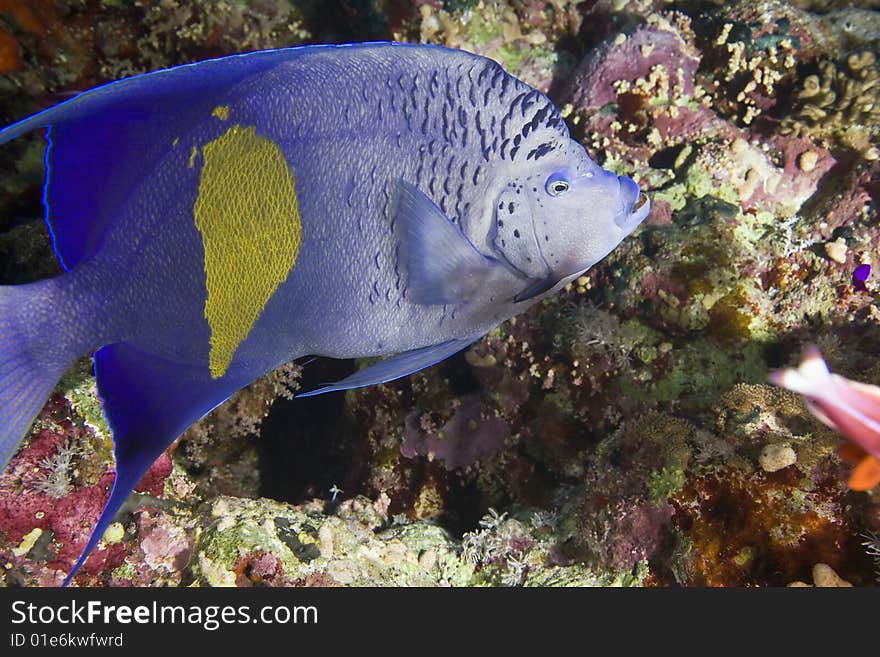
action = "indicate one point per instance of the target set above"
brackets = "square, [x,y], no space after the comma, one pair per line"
[860,275]
[467,438]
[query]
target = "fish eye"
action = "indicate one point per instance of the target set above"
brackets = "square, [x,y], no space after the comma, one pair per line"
[556,185]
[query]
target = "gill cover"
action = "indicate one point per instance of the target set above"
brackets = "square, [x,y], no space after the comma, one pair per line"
[516,242]
[515,236]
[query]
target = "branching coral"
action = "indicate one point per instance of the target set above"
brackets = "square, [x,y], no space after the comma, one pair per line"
[502,541]
[56,475]
[751,52]
[755,66]
[841,104]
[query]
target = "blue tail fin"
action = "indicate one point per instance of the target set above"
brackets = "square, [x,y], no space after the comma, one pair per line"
[148,402]
[34,354]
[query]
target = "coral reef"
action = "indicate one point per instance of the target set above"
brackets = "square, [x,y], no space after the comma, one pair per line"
[219,451]
[620,433]
[521,36]
[841,104]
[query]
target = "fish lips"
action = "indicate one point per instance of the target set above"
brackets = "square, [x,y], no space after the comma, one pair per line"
[636,205]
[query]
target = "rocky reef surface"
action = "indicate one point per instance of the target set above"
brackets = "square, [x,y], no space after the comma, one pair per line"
[620,433]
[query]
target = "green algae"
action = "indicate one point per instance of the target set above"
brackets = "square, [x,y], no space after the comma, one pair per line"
[702,370]
[664,483]
[78,386]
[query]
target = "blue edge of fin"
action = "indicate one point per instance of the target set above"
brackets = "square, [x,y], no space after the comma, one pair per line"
[396,367]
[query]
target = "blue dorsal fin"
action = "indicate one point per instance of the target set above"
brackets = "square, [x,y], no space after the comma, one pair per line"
[442,265]
[105,140]
[148,403]
[397,366]
[77,206]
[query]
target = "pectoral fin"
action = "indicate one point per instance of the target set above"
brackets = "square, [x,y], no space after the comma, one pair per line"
[397,366]
[442,265]
[534,288]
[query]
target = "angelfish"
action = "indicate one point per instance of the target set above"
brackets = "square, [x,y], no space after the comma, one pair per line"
[219,219]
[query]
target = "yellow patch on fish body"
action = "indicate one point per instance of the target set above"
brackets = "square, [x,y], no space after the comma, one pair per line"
[221,112]
[248,216]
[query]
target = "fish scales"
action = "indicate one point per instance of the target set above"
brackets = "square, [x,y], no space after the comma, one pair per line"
[312,145]
[236,214]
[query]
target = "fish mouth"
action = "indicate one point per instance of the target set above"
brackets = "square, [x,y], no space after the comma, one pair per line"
[635,206]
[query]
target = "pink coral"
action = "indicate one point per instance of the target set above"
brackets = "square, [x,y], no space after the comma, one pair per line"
[164,544]
[64,520]
[633,58]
